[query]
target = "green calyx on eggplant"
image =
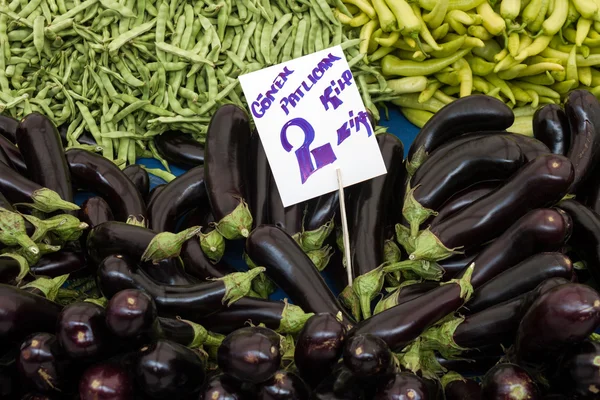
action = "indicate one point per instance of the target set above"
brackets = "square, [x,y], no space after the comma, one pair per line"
[238,284]
[213,245]
[49,286]
[13,232]
[313,240]
[293,319]
[405,238]
[320,257]
[65,226]
[367,287]
[428,270]
[262,285]
[414,212]
[202,337]
[406,291]
[237,224]
[47,201]
[429,247]
[350,300]
[168,245]
[21,262]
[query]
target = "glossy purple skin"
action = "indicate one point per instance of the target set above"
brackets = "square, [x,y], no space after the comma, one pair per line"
[180,149]
[8,127]
[464,199]
[9,269]
[130,313]
[403,386]
[319,347]
[222,387]
[340,385]
[167,370]
[14,155]
[250,354]
[284,385]
[139,177]
[579,371]
[463,390]
[106,382]
[59,263]
[95,211]
[41,363]
[81,330]
[367,356]
[551,127]
[509,382]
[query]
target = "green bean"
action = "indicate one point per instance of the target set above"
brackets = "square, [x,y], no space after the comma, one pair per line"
[265,42]
[122,39]
[73,11]
[245,41]
[299,38]
[31,6]
[185,54]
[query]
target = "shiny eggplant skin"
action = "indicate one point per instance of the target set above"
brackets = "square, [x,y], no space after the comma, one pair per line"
[540,182]
[558,319]
[130,313]
[166,369]
[84,138]
[139,177]
[340,385]
[100,175]
[586,234]
[403,385]
[463,390]
[551,127]
[9,270]
[222,387]
[488,158]
[583,112]
[288,219]
[14,155]
[176,199]
[44,155]
[323,210]
[259,180]
[106,381]
[23,313]
[463,199]
[4,159]
[284,385]
[319,347]
[291,269]
[367,356]
[153,193]
[8,127]
[225,168]
[250,354]
[469,114]
[371,208]
[95,211]
[520,279]
[507,382]
[531,147]
[60,263]
[198,265]
[81,330]
[454,265]
[180,149]
[579,373]
[175,330]
[15,187]
[42,364]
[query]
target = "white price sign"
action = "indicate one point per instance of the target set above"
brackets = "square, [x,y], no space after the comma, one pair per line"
[312,121]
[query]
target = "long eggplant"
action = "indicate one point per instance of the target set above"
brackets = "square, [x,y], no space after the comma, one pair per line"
[404,294]
[180,149]
[82,332]
[153,193]
[323,210]
[8,127]
[509,381]
[14,155]
[198,265]
[176,199]
[464,199]
[539,183]
[551,127]
[259,180]
[139,177]
[583,111]
[291,269]
[520,279]
[227,143]
[60,263]
[4,159]
[42,364]
[288,219]
[371,208]
[454,265]
[531,147]
[404,385]
[492,157]
[284,385]
[472,113]
[577,374]
[44,155]
[96,173]
[558,319]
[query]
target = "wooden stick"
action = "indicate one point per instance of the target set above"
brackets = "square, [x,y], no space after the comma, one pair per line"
[345,233]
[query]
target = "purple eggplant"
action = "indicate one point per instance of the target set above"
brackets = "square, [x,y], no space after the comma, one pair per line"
[42,364]
[180,149]
[95,211]
[14,155]
[153,193]
[130,313]
[289,219]
[559,318]
[463,389]
[473,363]
[106,381]
[222,387]
[539,183]
[10,270]
[531,147]
[284,385]
[198,265]
[323,210]
[250,354]
[509,382]
[259,181]
[8,127]
[139,177]
[404,294]
[403,385]
[551,127]
[578,374]
[464,199]
[454,265]
[81,330]
[60,263]
[367,356]
[339,385]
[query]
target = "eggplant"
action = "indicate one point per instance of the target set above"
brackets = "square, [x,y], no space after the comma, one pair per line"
[259,182]
[403,294]
[60,263]
[222,387]
[403,385]
[11,270]
[23,313]
[472,363]
[288,219]
[520,279]
[509,381]
[371,208]
[153,193]
[340,385]
[284,385]
[227,143]
[85,138]
[250,354]
[198,265]
[578,372]
[8,127]
[106,381]
[130,313]
[463,389]
[100,175]
[180,149]
[9,374]
[95,211]
[176,199]
[169,271]
[319,347]
[167,369]
[139,177]
[44,155]
[531,147]
[541,182]
[14,155]
[471,113]
[558,319]
[489,158]
[82,332]
[42,364]
[116,273]
[367,356]
[454,265]
[291,269]
[4,159]
[551,127]
[463,199]
[583,112]
[323,210]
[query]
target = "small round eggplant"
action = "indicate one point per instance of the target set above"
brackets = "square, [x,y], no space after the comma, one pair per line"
[319,347]
[59,263]
[180,149]
[284,385]
[466,389]
[367,356]
[130,313]
[222,387]
[139,177]
[81,330]
[8,127]
[42,364]
[509,382]
[579,372]
[403,385]
[168,370]
[106,382]
[551,127]
[250,354]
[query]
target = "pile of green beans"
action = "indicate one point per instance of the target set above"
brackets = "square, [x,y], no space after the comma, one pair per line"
[128,70]
[524,52]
